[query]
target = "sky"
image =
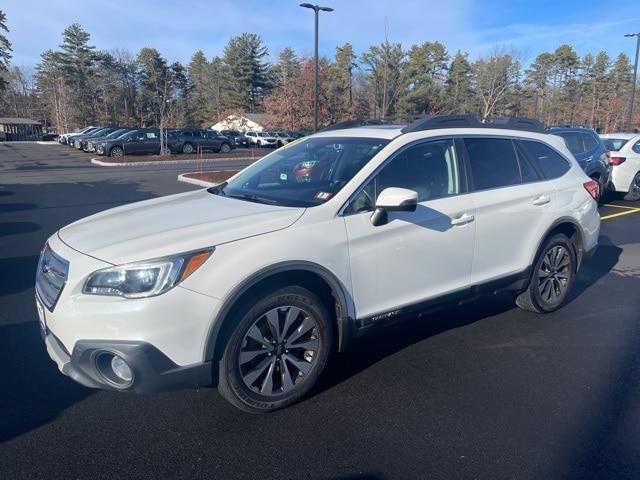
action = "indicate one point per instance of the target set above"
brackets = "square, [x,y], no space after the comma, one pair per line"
[178,28]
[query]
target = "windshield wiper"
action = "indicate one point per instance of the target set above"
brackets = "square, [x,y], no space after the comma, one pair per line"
[253,198]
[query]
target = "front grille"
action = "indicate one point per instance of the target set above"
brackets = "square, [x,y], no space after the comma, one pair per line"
[51,277]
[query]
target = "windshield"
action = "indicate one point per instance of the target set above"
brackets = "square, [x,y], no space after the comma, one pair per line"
[117,133]
[305,173]
[614,144]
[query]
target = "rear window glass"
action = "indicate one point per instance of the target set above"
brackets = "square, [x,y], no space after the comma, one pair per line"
[574,141]
[614,144]
[549,162]
[493,162]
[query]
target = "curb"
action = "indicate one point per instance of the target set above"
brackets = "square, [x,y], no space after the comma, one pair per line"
[95,161]
[194,181]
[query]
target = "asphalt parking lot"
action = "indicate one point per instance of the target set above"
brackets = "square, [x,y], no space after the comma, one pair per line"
[481,391]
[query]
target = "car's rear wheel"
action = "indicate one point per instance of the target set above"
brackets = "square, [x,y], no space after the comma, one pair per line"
[225,148]
[187,148]
[116,152]
[634,189]
[277,351]
[552,278]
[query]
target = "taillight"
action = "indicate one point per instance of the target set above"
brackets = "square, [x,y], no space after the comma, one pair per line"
[593,188]
[616,160]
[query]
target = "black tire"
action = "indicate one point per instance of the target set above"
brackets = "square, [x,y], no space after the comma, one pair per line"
[187,148]
[232,382]
[116,152]
[259,143]
[548,289]
[225,148]
[634,190]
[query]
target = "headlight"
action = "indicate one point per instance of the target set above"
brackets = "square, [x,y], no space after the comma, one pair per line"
[145,279]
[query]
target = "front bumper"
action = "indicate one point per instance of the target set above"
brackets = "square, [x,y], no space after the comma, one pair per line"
[152,370]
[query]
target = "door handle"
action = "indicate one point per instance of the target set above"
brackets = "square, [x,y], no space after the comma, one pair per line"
[462,219]
[541,200]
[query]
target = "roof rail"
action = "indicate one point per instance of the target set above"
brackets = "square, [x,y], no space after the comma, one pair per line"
[352,124]
[433,122]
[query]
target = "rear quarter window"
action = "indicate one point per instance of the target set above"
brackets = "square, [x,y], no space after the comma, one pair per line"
[574,141]
[548,161]
[590,143]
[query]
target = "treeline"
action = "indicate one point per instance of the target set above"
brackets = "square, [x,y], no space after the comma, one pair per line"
[78,85]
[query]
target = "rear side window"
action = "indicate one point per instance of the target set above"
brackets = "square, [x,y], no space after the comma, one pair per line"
[590,143]
[548,161]
[636,147]
[615,144]
[493,162]
[574,141]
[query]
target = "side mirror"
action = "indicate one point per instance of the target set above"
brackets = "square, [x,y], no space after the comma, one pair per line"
[393,200]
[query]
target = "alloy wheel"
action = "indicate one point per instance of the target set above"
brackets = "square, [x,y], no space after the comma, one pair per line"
[279,350]
[554,274]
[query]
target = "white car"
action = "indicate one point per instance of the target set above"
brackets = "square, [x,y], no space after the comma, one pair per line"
[262,139]
[624,156]
[252,283]
[66,138]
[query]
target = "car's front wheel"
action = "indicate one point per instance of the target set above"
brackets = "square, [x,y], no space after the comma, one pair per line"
[277,351]
[552,278]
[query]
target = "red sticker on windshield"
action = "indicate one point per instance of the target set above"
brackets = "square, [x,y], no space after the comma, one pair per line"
[323,196]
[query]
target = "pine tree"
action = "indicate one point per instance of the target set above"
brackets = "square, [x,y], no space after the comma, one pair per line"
[245,70]
[385,63]
[425,71]
[5,49]
[459,92]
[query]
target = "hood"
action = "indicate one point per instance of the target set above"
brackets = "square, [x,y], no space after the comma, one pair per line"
[173,224]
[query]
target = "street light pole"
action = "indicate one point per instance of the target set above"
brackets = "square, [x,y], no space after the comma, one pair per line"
[316,9]
[635,76]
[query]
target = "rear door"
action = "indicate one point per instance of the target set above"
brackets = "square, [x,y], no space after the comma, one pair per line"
[514,207]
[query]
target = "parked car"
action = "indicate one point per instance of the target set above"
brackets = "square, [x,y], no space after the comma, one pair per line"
[80,142]
[136,142]
[91,143]
[624,155]
[189,141]
[262,139]
[589,150]
[238,138]
[49,137]
[66,137]
[255,281]
[282,138]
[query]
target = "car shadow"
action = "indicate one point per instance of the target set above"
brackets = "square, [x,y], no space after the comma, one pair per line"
[33,391]
[389,339]
[17,274]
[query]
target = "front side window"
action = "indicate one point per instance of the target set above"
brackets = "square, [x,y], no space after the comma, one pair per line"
[493,162]
[304,174]
[430,168]
[548,161]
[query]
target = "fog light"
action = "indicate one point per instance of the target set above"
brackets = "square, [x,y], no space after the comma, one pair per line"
[121,369]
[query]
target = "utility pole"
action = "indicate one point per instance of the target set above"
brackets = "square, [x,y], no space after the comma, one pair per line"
[316,9]
[633,85]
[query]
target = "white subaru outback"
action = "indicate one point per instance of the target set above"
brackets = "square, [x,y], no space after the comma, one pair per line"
[251,284]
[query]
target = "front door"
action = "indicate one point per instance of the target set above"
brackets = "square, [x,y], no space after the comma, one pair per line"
[416,256]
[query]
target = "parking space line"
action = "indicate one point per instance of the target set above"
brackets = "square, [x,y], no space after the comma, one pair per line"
[618,206]
[614,215]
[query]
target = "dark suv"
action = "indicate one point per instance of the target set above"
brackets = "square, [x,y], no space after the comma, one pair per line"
[136,142]
[589,150]
[189,141]
[238,138]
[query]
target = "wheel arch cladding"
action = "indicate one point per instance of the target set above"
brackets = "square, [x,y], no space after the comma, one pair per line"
[572,230]
[314,277]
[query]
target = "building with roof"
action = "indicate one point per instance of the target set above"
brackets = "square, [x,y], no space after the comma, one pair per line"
[19,129]
[256,122]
